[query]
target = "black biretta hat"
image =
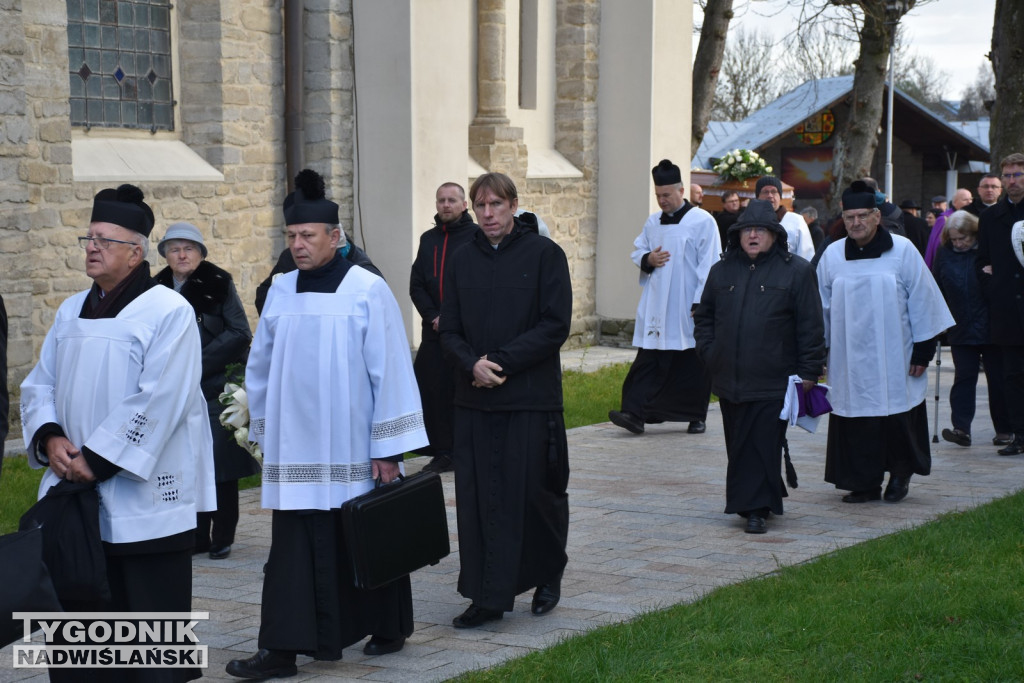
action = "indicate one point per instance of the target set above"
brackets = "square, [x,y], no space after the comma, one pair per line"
[308,203]
[858,196]
[666,173]
[124,207]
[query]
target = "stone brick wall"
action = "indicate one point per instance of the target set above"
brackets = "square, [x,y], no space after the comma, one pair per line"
[231,112]
[569,206]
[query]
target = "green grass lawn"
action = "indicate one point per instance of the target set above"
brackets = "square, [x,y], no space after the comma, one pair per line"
[941,602]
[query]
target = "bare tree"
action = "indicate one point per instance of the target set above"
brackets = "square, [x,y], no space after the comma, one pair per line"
[824,53]
[978,96]
[920,78]
[1007,129]
[707,64]
[750,78]
[857,138]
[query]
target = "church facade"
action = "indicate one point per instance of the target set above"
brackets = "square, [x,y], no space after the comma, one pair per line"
[211,106]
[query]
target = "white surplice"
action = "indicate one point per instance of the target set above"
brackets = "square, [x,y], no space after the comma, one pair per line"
[663,320]
[128,388]
[798,235]
[875,310]
[330,386]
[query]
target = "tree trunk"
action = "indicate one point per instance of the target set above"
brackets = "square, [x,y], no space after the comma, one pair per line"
[858,138]
[706,66]
[1006,133]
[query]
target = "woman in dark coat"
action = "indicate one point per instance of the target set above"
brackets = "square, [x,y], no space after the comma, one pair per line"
[225,335]
[969,339]
[759,322]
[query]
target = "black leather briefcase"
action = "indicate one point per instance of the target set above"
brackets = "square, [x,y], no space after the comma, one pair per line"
[396,529]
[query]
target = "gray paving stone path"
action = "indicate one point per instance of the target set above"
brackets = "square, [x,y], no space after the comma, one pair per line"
[646,531]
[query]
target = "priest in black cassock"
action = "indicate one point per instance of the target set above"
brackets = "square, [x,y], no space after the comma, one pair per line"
[758,324]
[883,311]
[333,403]
[505,315]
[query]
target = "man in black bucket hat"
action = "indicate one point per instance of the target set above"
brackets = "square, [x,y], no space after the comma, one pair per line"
[759,322]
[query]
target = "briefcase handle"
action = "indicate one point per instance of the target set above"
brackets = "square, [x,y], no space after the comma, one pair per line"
[394,482]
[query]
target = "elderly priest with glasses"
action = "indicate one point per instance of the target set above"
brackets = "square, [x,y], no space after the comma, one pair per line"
[115,399]
[882,313]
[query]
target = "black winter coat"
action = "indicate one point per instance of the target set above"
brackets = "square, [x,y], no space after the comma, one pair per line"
[223,327]
[426,282]
[758,323]
[1004,288]
[957,278]
[514,305]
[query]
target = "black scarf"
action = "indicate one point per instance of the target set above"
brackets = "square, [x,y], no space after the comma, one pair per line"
[98,306]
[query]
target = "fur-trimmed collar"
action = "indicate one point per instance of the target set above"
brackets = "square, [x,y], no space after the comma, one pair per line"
[206,289]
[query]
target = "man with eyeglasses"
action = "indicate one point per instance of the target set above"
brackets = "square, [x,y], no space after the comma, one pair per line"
[1000,266]
[989,189]
[115,399]
[769,188]
[882,313]
[758,323]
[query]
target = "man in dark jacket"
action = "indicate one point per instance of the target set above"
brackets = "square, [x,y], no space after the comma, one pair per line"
[1001,273]
[453,227]
[728,215]
[506,313]
[916,227]
[989,189]
[759,322]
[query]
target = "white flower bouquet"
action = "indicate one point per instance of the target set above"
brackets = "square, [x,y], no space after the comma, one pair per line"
[235,417]
[741,164]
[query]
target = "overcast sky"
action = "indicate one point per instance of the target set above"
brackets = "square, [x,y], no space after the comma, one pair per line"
[955,34]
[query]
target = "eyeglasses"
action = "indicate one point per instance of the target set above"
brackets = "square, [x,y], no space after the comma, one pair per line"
[101,242]
[1012,176]
[756,229]
[854,217]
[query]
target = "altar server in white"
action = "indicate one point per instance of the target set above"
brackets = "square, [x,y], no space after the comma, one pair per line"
[883,312]
[115,398]
[798,235]
[334,404]
[674,251]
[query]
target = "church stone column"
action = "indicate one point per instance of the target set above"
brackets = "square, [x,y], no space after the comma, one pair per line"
[492,142]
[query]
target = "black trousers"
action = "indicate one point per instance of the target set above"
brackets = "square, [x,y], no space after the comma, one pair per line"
[154,582]
[1013,364]
[310,602]
[861,450]
[223,520]
[753,442]
[667,386]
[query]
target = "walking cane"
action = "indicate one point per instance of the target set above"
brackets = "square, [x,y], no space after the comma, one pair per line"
[938,377]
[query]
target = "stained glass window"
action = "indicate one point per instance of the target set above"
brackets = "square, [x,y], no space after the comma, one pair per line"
[119,57]
[817,129]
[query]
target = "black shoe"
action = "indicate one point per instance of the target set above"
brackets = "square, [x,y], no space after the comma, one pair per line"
[897,488]
[383,646]
[1016,447]
[957,436]
[863,496]
[626,420]
[475,616]
[1002,439]
[439,463]
[756,524]
[697,427]
[264,664]
[220,552]
[546,597]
